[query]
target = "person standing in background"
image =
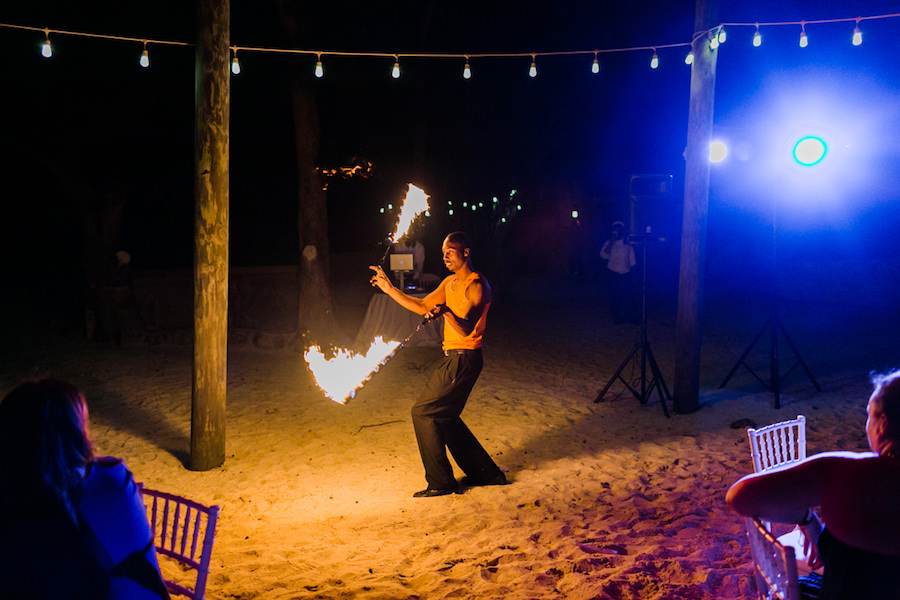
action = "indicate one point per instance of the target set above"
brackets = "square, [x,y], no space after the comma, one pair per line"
[619,257]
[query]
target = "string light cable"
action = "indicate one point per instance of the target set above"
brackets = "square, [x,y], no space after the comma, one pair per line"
[716,35]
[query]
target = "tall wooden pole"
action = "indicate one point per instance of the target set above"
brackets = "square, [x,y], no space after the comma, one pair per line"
[696,203]
[212,104]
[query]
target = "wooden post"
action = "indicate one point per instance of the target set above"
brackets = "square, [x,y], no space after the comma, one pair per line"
[212,103]
[696,202]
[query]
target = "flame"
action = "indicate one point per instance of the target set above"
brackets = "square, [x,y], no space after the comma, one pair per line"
[414,204]
[342,375]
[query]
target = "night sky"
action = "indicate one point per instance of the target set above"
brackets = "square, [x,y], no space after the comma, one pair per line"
[88,132]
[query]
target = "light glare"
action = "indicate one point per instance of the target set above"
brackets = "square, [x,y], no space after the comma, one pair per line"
[717,151]
[810,150]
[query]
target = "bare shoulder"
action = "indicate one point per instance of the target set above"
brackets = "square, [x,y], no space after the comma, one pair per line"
[480,285]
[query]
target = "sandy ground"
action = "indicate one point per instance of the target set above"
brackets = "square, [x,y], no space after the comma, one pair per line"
[608,500]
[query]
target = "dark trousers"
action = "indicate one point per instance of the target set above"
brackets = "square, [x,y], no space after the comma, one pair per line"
[621,301]
[435,417]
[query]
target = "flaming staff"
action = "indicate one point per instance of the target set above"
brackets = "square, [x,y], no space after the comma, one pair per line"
[414,204]
[340,377]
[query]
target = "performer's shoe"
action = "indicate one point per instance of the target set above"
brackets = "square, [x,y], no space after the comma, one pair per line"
[496,480]
[431,492]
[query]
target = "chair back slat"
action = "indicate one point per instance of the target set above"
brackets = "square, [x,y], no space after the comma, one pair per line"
[194,537]
[777,444]
[774,565]
[180,526]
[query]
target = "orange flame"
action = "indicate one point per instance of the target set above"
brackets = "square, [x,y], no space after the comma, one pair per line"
[342,375]
[414,204]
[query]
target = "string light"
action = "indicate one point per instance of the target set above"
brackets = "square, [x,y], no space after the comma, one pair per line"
[467,72]
[319,71]
[145,58]
[395,72]
[716,34]
[689,59]
[713,41]
[46,50]
[235,64]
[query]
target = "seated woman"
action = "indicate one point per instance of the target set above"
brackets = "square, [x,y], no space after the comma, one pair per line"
[856,532]
[71,526]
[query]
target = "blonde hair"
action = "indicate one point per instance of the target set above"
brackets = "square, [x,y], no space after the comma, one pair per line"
[886,402]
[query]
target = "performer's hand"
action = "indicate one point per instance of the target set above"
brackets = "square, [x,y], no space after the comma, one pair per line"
[379,279]
[435,312]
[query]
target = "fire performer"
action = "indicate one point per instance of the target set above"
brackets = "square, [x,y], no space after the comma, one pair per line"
[462,299]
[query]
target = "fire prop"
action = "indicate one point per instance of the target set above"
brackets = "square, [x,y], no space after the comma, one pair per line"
[341,376]
[415,203]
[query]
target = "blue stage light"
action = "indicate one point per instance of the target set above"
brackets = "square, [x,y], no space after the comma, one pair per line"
[717,151]
[810,150]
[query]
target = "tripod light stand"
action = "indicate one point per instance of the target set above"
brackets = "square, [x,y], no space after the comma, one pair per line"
[641,351]
[774,326]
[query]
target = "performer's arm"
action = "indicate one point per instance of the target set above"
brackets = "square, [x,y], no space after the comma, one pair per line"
[419,306]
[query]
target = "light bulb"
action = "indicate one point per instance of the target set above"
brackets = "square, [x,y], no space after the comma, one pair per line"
[395,72]
[532,72]
[235,65]
[757,39]
[689,59]
[319,70]
[145,59]
[714,42]
[46,50]
[467,72]
[721,37]
[595,67]
[803,41]
[857,36]
[654,62]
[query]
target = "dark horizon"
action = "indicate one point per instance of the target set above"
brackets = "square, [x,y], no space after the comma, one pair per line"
[88,129]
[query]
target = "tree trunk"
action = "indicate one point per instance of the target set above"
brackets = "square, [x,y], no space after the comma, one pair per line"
[212,105]
[316,316]
[696,203]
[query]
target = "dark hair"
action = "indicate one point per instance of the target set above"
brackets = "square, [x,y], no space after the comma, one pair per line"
[460,238]
[44,443]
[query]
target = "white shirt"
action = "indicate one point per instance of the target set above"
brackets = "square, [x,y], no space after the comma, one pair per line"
[619,256]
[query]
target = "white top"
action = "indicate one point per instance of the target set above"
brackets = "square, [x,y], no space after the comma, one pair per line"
[619,256]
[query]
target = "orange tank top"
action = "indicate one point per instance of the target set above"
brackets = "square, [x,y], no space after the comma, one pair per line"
[456,301]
